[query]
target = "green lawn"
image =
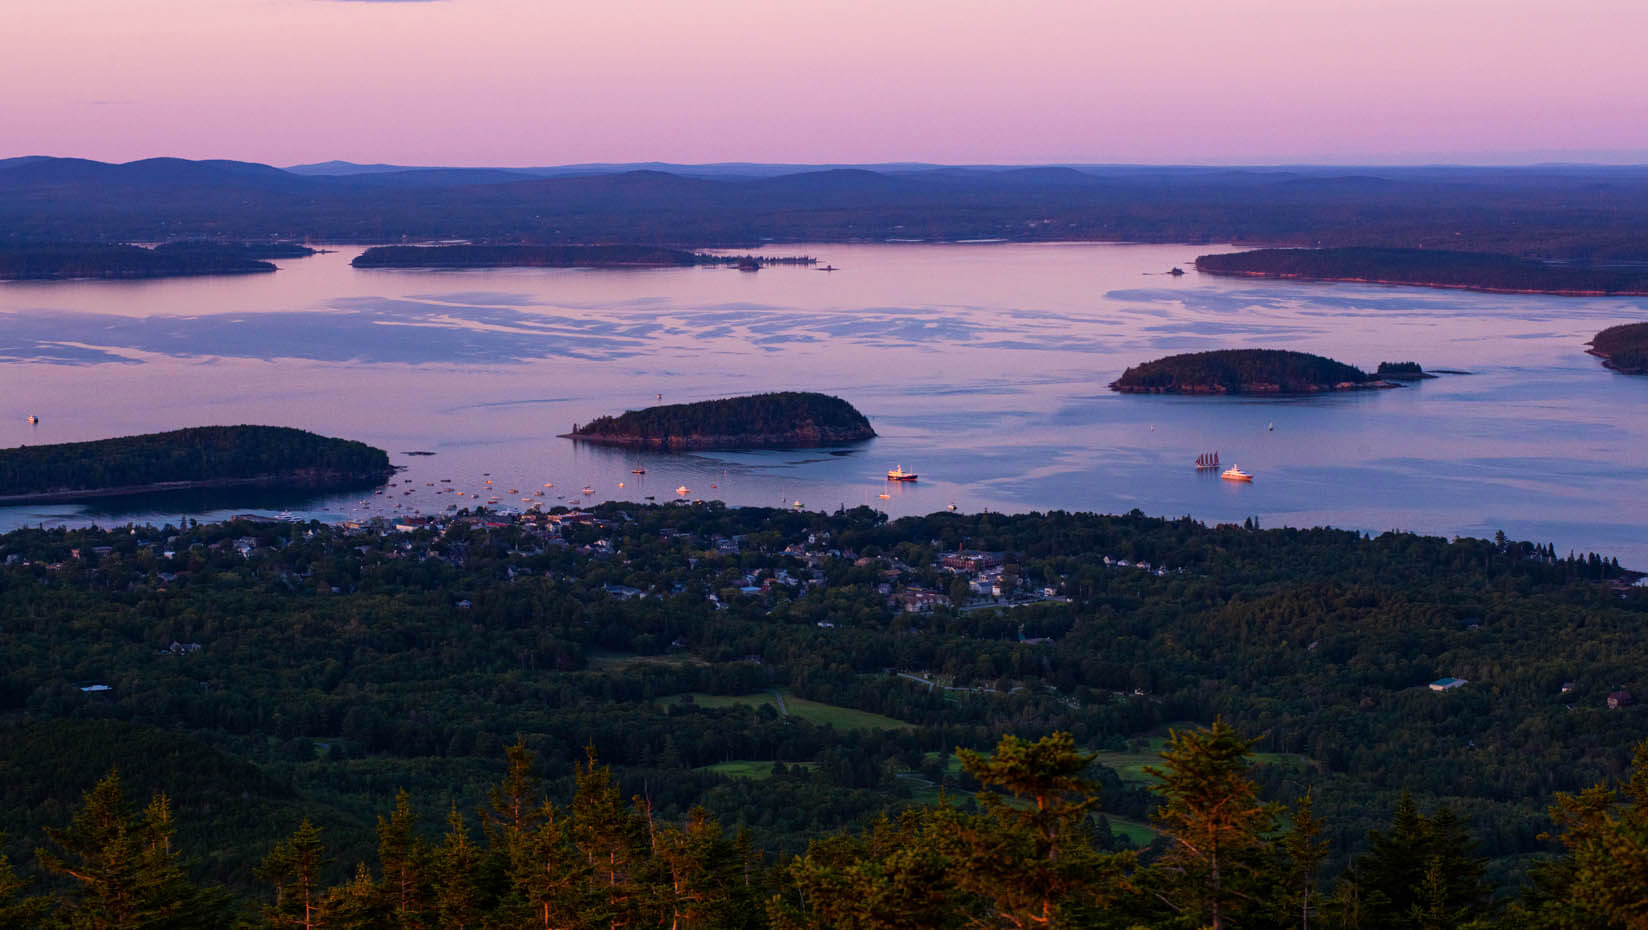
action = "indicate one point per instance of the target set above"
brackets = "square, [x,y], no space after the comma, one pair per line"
[744,768]
[1138,831]
[606,660]
[842,718]
[1131,765]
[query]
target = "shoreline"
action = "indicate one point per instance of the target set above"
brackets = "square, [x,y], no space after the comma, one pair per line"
[1436,285]
[293,480]
[1608,363]
[1258,390]
[696,442]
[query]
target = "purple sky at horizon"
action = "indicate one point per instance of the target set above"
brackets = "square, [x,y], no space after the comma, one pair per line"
[537,82]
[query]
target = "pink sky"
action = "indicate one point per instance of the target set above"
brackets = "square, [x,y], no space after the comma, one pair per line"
[534,82]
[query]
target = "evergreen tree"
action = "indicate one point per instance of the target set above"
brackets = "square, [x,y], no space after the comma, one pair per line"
[896,875]
[17,912]
[1599,881]
[457,899]
[403,856]
[611,835]
[1305,852]
[1030,857]
[125,873]
[1392,872]
[294,867]
[1212,813]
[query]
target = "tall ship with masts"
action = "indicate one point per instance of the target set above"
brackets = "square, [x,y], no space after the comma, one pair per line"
[1207,460]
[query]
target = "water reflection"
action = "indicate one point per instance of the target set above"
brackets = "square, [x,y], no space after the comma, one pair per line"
[982,367]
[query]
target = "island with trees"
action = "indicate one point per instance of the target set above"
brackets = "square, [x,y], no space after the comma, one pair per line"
[1402,371]
[1475,271]
[780,419]
[67,260]
[556,256]
[1245,371]
[1623,348]
[199,457]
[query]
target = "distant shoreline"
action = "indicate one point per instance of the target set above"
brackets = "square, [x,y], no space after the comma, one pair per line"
[288,480]
[1484,272]
[1440,285]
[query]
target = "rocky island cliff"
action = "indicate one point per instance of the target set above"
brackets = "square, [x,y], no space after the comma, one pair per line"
[786,418]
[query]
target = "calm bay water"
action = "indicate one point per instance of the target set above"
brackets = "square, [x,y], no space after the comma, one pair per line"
[983,367]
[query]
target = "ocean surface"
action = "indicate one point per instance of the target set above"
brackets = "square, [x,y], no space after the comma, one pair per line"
[982,366]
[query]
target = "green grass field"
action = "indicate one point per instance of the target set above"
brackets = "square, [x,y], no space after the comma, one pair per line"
[607,661]
[1131,765]
[842,718]
[743,768]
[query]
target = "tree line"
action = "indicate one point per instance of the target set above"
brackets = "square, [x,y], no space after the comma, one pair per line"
[1024,857]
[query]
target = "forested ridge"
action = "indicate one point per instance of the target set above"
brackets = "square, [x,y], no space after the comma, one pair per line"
[1623,348]
[1576,213]
[1239,371]
[1430,268]
[196,454]
[542,256]
[22,261]
[748,662]
[778,418]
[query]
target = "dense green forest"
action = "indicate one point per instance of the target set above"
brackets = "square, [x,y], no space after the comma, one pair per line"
[761,665]
[1623,348]
[782,418]
[92,260]
[1239,371]
[1430,268]
[204,454]
[1028,852]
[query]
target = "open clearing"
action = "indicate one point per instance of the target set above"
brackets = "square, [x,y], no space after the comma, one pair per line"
[842,718]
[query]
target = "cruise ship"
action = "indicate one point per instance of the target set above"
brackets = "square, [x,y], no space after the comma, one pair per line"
[1235,473]
[899,474]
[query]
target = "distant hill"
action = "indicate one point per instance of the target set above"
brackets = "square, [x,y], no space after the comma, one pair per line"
[1429,268]
[788,418]
[1243,371]
[205,456]
[1579,214]
[1623,348]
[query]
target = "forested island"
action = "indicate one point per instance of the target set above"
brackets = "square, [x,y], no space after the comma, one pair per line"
[747,716]
[1244,371]
[47,261]
[198,457]
[1623,348]
[554,256]
[1475,271]
[1402,371]
[784,418]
